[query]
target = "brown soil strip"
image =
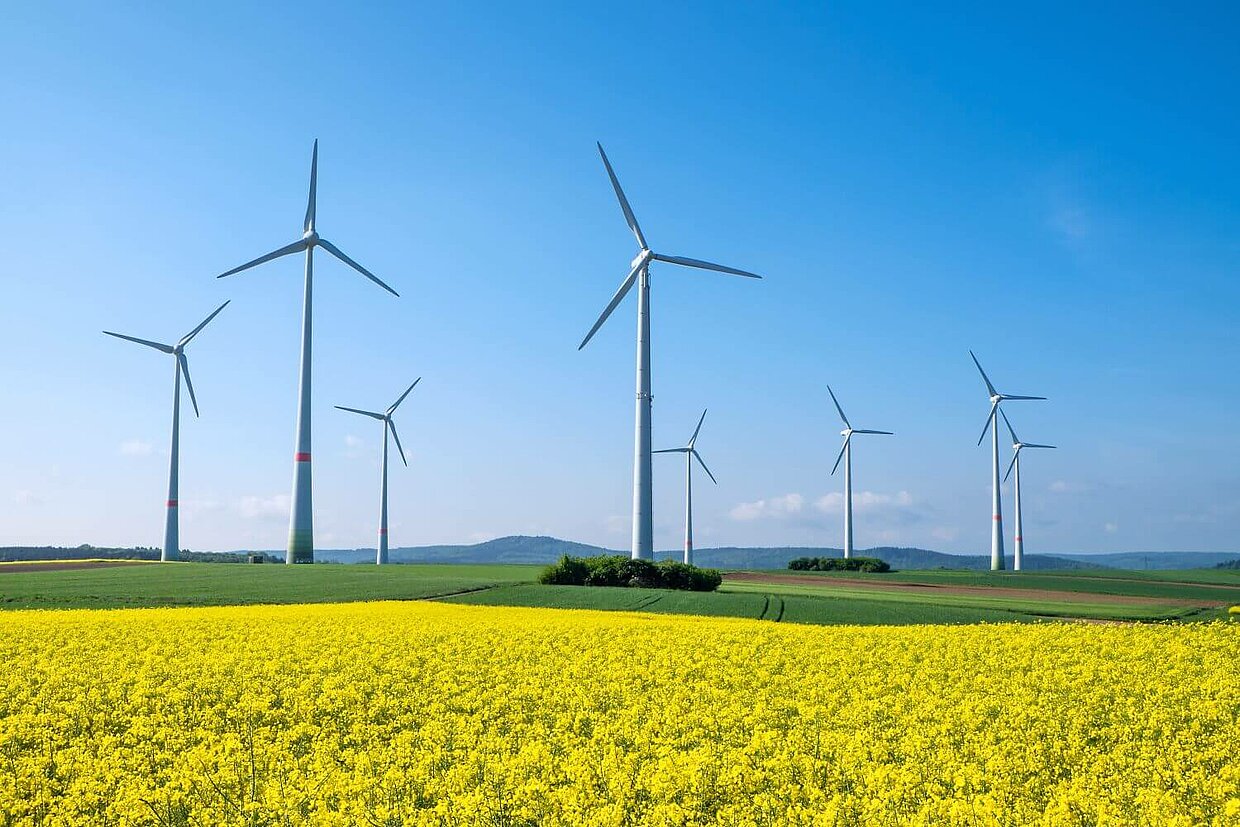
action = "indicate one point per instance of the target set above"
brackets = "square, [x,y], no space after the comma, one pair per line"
[972,591]
[66,565]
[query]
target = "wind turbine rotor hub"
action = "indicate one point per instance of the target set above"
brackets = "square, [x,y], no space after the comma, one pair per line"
[311,237]
[641,258]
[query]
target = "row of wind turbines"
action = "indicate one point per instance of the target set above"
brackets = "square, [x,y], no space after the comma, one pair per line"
[301,525]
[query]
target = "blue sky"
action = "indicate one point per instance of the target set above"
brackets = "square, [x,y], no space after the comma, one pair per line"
[1055,188]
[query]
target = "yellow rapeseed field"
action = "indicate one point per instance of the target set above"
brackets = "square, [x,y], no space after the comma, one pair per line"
[416,713]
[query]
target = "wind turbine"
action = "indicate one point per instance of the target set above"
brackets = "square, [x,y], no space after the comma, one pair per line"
[381,555]
[172,538]
[301,521]
[1018,548]
[846,455]
[690,454]
[639,273]
[996,528]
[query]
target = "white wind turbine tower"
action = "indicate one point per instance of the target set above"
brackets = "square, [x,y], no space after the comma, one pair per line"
[690,453]
[643,525]
[1018,548]
[996,527]
[172,539]
[381,554]
[301,520]
[846,455]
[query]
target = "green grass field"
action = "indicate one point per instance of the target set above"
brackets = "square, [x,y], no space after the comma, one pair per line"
[817,598]
[779,607]
[220,584]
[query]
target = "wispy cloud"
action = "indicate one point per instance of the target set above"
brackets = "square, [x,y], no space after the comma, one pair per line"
[27,498]
[1110,528]
[774,508]
[871,501]
[136,448]
[273,508]
[1069,487]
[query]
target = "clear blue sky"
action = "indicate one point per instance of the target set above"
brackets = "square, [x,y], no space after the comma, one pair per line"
[1055,188]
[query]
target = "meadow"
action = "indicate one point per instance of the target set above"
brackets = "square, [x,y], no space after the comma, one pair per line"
[783,596]
[431,714]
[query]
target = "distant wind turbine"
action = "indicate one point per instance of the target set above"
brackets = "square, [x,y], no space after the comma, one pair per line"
[301,520]
[691,454]
[846,455]
[381,555]
[172,537]
[1018,548]
[996,527]
[643,525]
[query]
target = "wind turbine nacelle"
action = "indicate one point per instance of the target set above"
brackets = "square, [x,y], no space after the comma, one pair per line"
[641,258]
[311,237]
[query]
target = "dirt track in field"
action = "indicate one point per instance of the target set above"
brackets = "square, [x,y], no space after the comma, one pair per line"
[65,565]
[971,591]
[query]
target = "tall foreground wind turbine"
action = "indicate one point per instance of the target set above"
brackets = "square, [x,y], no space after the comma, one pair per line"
[690,454]
[172,537]
[996,527]
[643,525]
[381,554]
[301,520]
[846,455]
[1018,548]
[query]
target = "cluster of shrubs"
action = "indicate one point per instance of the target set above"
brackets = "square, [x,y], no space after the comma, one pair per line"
[617,570]
[870,564]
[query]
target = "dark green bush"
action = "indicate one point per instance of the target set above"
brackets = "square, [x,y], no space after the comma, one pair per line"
[621,571]
[866,564]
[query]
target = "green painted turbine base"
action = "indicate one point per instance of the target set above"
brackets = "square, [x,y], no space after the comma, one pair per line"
[300,547]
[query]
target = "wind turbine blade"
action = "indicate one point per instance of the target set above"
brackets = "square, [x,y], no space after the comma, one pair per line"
[994,406]
[396,404]
[1009,396]
[1008,422]
[624,202]
[884,433]
[1036,445]
[698,457]
[837,407]
[156,345]
[314,178]
[985,378]
[295,247]
[703,265]
[370,414]
[625,286]
[185,339]
[670,451]
[392,426]
[188,384]
[693,438]
[335,251]
[841,455]
[1011,464]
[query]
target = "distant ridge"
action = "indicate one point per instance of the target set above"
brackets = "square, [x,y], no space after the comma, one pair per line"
[521,549]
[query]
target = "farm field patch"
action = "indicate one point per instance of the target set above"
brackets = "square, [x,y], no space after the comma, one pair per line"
[213,584]
[432,714]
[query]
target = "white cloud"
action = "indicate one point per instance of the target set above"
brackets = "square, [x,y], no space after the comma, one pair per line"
[775,507]
[351,441]
[1070,221]
[275,507]
[863,501]
[27,498]
[136,448]
[1069,487]
[1110,528]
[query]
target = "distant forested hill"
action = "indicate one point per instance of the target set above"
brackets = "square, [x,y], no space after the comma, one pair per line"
[521,549]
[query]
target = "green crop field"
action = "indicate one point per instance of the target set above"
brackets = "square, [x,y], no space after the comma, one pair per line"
[781,607]
[220,584]
[790,597]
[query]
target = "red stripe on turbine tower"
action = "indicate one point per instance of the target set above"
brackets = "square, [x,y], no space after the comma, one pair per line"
[172,503]
[301,456]
[383,531]
[997,517]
